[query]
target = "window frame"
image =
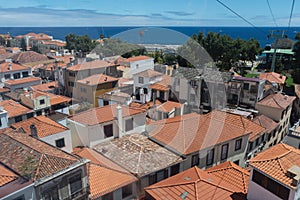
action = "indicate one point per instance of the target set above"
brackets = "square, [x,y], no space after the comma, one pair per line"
[195,160]
[107,128]
[224,155]
[210,161]
[238,144]
[141,80]
[57,143]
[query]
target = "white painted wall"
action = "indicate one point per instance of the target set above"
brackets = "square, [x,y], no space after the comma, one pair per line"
[67,137]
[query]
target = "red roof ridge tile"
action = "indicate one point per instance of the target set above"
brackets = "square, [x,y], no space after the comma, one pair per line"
[51,124]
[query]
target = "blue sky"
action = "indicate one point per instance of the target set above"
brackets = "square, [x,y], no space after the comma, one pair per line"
[146,13]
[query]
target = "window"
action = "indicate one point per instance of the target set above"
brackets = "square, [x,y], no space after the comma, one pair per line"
[108,196]
[224,152]
[129,124]
[250,146]
[7,76]
[42,101]
[256,142]
[161,175]
[20,198]
[17,75]
[0,122]
[108,130]
[18,119]
[152,179]
[60,143]
[126,191]
[29,115]
[141,80]
[299,145]
[270,185]
[72,74]
[195,160]
[105,102]
[25,74]
[71,84]
[246,86]
[210,157]
[175,169]
[75,184]
[50,194]
[238,144]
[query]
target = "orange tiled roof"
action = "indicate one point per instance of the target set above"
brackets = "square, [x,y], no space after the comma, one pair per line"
[6,175]
[192,132]
[266,122]
[45,86]
[168,106]
[275,162]
[89,65]
[54,98]
[103,114]
[162,85]
[277,100]
[104,175]
[22,80]
[194,183]
[28,57]
[149,73]
[44,126]
[137,58]
[145,106]
[232,174]
[4,67]
[33,158]
[4,89]
[273,77]
[13,108]
[237,120]
[97,79]
[58,43]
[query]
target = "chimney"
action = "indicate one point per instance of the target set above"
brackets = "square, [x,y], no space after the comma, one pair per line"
[183,108]
[33,131]
[9,66]
[120,121]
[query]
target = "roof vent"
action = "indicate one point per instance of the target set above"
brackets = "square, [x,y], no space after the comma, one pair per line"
[294,173]
[187,178]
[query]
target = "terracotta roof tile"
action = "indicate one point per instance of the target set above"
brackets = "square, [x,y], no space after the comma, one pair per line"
[5,67]
[168,106]
[277,100]
[194,183]
[97,79]
[192,132]
[89,65]
[265,122]
[137,154]
[149,73]
[6,175]
[276,161]
[54,98]
[145,106]
[232,174]
[23,80]
[103,114]
[14,109]
[28,57]
[32,158]
[46,86]
[44,126]
[162,85]
[104,175]
[273,77]
[137,58]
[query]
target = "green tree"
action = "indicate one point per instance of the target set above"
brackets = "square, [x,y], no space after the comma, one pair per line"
[77,43]
[23,45]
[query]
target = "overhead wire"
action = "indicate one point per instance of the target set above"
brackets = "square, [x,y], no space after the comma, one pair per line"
[291,14]
[240,16]
[272,13]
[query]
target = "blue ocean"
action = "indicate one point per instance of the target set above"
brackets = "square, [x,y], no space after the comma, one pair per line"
[154,35]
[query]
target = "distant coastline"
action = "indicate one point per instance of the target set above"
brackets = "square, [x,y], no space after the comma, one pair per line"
[246,33]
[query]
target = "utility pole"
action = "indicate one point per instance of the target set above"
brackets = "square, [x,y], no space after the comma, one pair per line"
[276,34]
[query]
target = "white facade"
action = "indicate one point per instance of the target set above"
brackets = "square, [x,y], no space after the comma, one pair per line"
[84,135]
[3,118]
[138,66]
[65,135]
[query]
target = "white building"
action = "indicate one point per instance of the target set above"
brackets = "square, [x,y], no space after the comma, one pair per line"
[94,126]
[137,64]
[47,130]
[275,174]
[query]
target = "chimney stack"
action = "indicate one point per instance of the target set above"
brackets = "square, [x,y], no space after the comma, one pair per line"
[120,121]
[33,131]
